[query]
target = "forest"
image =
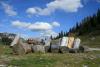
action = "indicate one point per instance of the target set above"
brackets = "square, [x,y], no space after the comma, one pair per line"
[90,25]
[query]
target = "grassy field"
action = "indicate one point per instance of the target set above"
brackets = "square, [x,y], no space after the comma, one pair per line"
[91,41]
[90,59]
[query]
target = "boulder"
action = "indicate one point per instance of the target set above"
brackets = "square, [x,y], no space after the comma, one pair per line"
[63,46]
[38,48]
[77,42]
[47,46]
[70,42]
[64,49]
[19,47]
[64,41]
[54,48]
[47,49]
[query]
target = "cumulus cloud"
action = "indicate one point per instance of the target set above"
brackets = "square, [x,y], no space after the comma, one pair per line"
[56,24]
[8,9]
[45,28]
[31,10]
[18,23]
[65,5]
[98,1]
[37,26]
[40,26]
[48,33]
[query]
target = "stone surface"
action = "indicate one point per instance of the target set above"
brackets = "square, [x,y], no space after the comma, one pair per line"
[38,48]
[64,49]
[54,48]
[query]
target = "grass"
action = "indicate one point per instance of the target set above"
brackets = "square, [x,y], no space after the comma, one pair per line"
[57,60]
[90,59]
[5,50]
[33,61]
[91,41]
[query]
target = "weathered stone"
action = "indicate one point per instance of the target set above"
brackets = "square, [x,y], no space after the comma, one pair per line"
[70,42]
[76,43]
[38,48]
[64,41]
[54,48]
[47,49]
[19,47]
[64,49]
[47,46]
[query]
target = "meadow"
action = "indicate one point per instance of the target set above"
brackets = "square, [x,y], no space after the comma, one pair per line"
[88,59]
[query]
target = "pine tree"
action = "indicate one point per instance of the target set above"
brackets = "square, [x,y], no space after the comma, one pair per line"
[86,26]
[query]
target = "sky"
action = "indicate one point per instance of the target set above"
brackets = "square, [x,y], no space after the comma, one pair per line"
[40,18]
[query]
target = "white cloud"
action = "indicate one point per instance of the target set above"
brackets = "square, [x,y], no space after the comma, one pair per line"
[18,23]
[37,26]
[8,9]
[55,24]
[65,5]
[44,27]
[48,33]
[40,26]
[31,11]
[98,1]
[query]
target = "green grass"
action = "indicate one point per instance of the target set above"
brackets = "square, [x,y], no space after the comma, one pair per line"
[87,40]
[57,60]
[92,63]
[33,61]
[90,59]
[5,50]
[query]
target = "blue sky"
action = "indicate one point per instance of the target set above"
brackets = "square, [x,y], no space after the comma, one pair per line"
[34,18]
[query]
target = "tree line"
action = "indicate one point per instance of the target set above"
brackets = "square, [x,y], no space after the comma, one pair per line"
[86,26]
[6,38]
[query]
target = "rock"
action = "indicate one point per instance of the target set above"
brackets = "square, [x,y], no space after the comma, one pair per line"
[93,38]
[2,65]
[19,47]
[22,48]
[47,49]
[54,48]
[64,49]
[38,48]
[81,49]
[77,42]
[55,44]
[85,65]
[47,46]
[64,41]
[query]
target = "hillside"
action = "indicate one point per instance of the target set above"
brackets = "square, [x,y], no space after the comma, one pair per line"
[88,26]
[91,41]
[88,30]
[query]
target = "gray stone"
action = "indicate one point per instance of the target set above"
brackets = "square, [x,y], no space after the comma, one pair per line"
[19,47]
[64,49]
[54,48]
[38,48]
[47,49]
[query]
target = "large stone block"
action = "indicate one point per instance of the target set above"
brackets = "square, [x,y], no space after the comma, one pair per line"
[38,48]
[47,49]
[64,49]
[54,48]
